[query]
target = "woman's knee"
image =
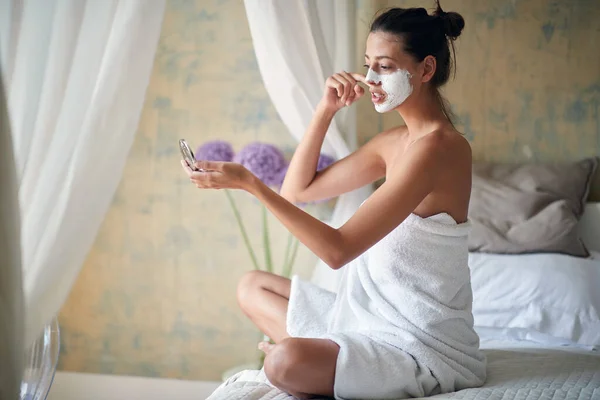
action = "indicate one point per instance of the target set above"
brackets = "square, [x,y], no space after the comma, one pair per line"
[248,287]
[281,362]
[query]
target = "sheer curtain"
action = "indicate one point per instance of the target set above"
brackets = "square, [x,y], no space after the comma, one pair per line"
[11,299]
[298,44]
[75,75]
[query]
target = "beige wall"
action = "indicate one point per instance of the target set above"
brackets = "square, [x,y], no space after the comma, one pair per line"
[527,85]
[156,296]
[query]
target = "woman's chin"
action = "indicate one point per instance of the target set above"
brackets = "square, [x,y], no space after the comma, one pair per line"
[382,107]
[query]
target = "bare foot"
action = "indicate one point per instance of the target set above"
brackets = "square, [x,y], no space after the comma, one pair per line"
[266,347]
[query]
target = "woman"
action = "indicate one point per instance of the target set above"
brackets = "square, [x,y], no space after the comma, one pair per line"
[401,323]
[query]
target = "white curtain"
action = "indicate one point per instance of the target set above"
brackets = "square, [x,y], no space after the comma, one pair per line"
[11,299]
[75,73]
[298,44]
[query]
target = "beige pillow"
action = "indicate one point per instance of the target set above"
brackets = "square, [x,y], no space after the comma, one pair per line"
[529,208]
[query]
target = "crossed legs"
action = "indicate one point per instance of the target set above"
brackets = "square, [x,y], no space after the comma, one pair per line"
[301,367]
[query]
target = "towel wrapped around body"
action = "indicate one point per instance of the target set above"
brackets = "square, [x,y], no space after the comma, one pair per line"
[402,315]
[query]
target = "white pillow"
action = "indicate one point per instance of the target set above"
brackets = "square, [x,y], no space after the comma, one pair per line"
[544,297]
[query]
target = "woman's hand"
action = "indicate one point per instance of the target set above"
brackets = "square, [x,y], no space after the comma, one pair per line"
[218,175]
[341,90]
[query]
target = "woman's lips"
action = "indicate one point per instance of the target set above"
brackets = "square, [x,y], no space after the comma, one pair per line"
[377,97]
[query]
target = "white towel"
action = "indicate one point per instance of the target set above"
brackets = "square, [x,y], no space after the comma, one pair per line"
[402,316]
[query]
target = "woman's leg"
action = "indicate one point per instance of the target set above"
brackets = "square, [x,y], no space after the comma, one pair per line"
[264,299]
[302,367]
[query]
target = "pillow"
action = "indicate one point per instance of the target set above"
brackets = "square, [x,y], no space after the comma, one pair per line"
[589,227]
[544,297]
[529,208]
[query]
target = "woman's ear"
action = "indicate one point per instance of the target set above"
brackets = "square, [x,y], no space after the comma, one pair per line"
[429,65]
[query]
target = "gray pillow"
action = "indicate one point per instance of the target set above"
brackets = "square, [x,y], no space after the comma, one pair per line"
[529,208]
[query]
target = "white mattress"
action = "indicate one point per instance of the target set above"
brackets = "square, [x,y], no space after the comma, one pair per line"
[516,370]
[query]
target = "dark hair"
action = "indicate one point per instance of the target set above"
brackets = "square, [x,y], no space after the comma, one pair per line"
[423,35]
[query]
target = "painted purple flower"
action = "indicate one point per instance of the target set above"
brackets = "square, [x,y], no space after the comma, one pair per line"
[324,161]
[216,150]
[263,160]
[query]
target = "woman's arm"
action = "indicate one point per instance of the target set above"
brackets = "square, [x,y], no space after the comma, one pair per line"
[406,186]
[302,183]
[358,169]
[303,165]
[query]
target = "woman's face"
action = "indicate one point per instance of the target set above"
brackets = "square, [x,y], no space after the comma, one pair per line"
[391,71]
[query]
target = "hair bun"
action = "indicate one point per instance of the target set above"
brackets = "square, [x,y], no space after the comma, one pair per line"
[453,22]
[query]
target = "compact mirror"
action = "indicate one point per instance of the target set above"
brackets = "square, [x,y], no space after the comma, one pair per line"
[187,154]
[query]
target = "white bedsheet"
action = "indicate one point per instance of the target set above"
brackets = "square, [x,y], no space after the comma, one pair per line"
[516,370]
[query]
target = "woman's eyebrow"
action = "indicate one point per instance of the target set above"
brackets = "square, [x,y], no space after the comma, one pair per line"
[380,57]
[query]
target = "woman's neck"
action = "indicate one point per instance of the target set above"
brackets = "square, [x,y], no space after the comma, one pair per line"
[423,115]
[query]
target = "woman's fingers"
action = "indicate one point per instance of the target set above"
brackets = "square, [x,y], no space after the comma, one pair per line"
[350,97]
[335,84]
[348,84]
[339,83]
[359,92]
[218,175]
[209,165]
[207,180]
[356,91]
[359,77]
[186,168]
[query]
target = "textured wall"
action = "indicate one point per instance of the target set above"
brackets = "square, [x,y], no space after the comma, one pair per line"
[156,295]
[527,86]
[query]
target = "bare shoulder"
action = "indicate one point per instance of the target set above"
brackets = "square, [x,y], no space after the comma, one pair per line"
[385,142]
[388,136]
[444,144]
[382,146]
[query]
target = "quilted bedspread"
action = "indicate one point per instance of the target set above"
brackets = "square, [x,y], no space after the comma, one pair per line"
[531,374]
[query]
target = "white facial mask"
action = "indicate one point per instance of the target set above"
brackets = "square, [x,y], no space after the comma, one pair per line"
[396,86]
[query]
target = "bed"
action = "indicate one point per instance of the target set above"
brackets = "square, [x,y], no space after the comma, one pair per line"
[516,370]
[537,310]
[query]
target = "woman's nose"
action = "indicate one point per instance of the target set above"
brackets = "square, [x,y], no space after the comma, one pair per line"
[372,78]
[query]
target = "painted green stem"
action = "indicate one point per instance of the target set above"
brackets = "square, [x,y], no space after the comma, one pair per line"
[290,263]
[286,258]
[238,218]
[266,241]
